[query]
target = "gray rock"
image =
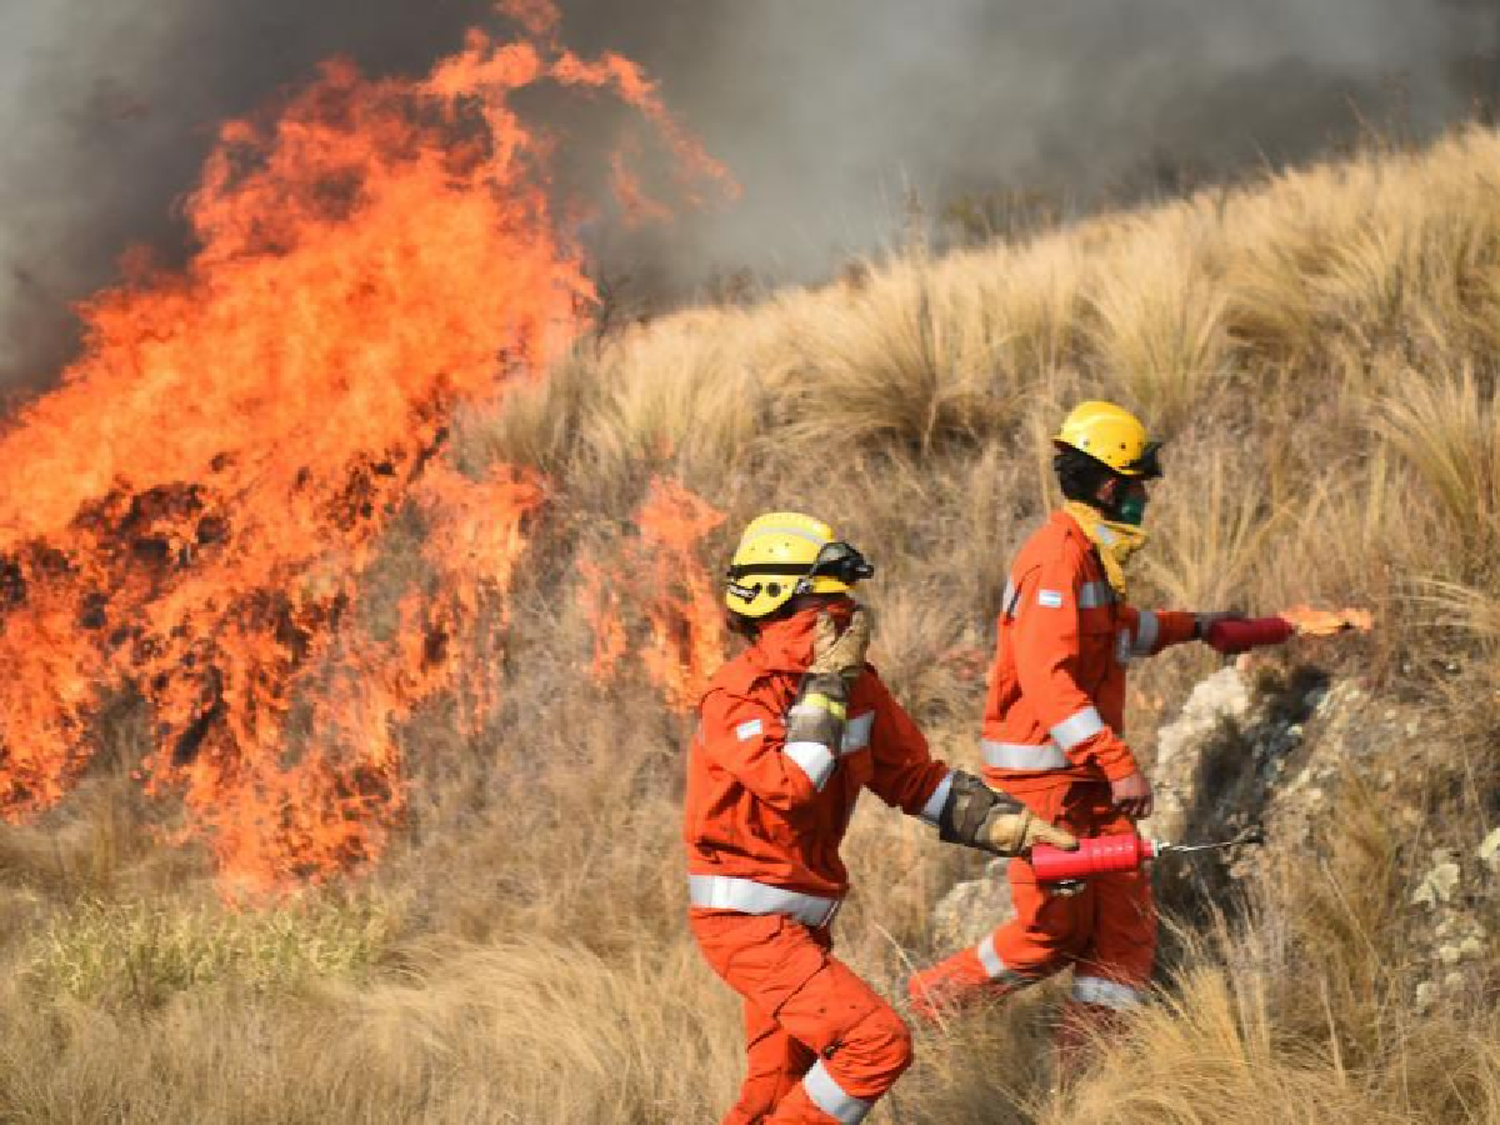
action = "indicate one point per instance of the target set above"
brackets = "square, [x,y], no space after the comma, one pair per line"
[968,912]
[1489,851]
[1437,885]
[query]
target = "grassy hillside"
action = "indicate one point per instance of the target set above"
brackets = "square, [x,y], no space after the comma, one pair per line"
[1320,351]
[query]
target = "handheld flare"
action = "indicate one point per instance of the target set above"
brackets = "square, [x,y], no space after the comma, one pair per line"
[1104,854]
[1234,637]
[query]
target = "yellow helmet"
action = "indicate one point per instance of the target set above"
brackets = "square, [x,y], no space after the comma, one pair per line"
[783,554]
[1113,435]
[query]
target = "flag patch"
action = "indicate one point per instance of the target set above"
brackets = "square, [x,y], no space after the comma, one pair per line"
[747,731]
[1052,599]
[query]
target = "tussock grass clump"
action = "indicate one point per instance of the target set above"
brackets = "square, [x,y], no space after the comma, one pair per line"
[1160,324]
[1447,431]
[142,953]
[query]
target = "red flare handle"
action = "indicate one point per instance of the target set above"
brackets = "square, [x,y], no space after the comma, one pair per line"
[1232,637]
[1099,855]
[1096,856]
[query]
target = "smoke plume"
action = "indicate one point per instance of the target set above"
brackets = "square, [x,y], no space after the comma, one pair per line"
[830,112]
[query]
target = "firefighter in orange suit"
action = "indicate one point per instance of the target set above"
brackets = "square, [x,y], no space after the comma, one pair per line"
[1053,732]
[790,733]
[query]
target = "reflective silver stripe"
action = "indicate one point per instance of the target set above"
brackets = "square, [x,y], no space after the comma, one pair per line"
[996,968]
[830,1097]
[1106,993]
[1020,756]
[725,892]
[1008,606]
[857,732]
[1078,728]
[1146,632]
[1095,595]
[933,809]
[814,759]
[989,958]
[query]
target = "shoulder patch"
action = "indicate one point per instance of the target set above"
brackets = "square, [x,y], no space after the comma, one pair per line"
[1051,599]
[749,730]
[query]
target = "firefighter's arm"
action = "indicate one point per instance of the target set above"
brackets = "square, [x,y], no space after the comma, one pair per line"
[1151,631]
[1047,640]
[747,739]
[959,805]
[903,773]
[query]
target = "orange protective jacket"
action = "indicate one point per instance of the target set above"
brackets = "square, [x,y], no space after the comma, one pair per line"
[752,812]
[1056,706]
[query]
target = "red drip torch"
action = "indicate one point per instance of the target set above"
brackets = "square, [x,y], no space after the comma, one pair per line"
[1103,854]
[1234,637]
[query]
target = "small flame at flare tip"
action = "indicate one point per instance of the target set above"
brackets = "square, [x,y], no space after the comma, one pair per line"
[1310,622]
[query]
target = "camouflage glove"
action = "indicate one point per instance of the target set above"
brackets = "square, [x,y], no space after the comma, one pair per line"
[841,654]
[820,709]
[1018,832]
[979,817]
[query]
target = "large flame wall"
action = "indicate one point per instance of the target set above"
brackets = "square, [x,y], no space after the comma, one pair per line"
[193,514]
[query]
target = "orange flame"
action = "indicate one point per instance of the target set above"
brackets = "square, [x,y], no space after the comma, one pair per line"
[475,538]
[195,513]
[639,207]
[688,633]
[539,17]
[601,605]
[1326,622]
[687,636]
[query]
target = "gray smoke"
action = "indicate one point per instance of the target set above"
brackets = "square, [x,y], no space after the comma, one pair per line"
[831,113]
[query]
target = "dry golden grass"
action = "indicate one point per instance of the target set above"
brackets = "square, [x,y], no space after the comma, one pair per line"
[1320,349]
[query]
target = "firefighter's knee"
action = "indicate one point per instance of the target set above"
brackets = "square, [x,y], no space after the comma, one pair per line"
[874,1052]
[1058,927]
[893,1039]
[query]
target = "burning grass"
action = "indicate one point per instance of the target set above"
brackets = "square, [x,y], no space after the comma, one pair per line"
[193,515]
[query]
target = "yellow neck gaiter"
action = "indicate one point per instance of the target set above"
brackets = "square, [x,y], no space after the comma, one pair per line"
[1116,542]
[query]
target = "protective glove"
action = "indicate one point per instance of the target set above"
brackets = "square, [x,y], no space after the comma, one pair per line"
[1017,833]
[841,654]
[819,712]
[979,817]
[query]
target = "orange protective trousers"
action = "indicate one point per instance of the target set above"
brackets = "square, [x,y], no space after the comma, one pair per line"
[805,1011]
[1107,930]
